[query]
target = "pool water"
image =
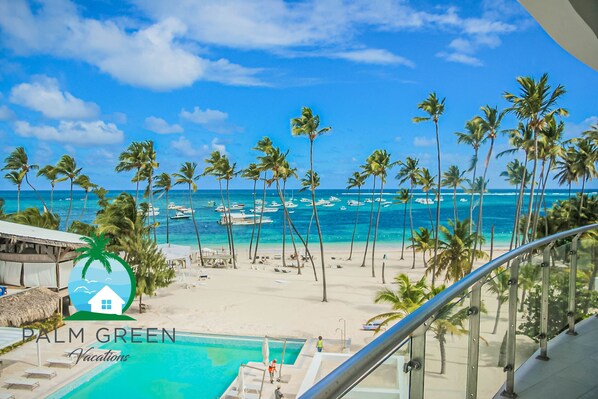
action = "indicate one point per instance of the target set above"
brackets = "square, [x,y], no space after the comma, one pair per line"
[195,366]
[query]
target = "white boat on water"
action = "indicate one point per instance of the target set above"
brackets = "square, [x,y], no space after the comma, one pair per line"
[463,200]
[305,200]
[290,204]
[237,207]
[241,219]
[173,206]
[343,208]
[424,201]
[275,204]
[334,199]
[259,209]
[368,201]
[328,205]
[354,203]
[180,215]
[258,202]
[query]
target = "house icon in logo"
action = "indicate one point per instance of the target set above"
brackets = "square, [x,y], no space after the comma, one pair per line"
[106,301]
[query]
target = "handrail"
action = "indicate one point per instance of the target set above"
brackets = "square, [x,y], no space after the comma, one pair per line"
[355,369]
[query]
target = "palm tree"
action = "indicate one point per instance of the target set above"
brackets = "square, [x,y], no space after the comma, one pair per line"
[356,180]
[380,164]
[86,184]
[147,172]
[186,175]
[33,217]
[565,167]
[453,177]
[252,172]
[16,178]
[404,197]
[514,173]
[163,185]
[410,172]
[309,125]
[423,242]
[367,172]
[95,250]
[227,172]
[19,161]
[310,179]
[67,168]
[534,105]
[584,164]
[426,180]
[264,145]
[474,136]
[51,173]
[455,251]
[434,108]
[499,285]
[133,158]
[448,320]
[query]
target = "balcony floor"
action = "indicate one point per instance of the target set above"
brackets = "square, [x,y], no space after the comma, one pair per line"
[571,371]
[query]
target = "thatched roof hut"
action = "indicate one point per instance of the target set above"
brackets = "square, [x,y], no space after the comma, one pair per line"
[28,306]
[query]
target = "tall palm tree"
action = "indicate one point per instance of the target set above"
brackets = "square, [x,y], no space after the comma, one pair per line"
[162,186]
[514,173]
[473,136]
[356,180]
[534,104]
[19,161]
[423,242]
[87,186]
[404,197]
[16,178]
[434,107]
[449,320]
[453,178]
[410,171]
[367,172]
[499,285]
[306,183]
[565,167]
[150,164]
[380,166]
[33,217]
[309,125]
[252,172]
[227,172]
[68,170]
[265,146]
[51,174]
[187,175]
[584,164]
[133,158]
[592,134]
[426,180]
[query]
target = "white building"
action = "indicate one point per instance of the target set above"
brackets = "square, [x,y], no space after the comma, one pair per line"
[106,301]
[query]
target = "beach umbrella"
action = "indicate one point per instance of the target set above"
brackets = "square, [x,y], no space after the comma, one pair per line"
[241,383]
[266,351]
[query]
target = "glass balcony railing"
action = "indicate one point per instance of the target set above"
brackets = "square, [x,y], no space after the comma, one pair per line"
[469,340]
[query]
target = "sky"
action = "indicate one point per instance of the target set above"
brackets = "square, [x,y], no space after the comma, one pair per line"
[87,78]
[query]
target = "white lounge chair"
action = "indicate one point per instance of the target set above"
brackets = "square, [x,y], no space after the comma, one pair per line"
[21,382]
[6,395]
[61,362]
[41,372]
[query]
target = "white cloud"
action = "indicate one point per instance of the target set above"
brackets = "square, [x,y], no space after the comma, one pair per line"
[217,146]
[204,117]
[151,56]
[184,147]
[576,129]
[373,56]
[44,95]
[73,133]
[6,113]
[460,58]
[420,141]
[159,125]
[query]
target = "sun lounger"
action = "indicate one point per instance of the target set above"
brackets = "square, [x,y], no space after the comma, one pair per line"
[277,257]
[21,382]
[41,372]
[6,395]
[61,362]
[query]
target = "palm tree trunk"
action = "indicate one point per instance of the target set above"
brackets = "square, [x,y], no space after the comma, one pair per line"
[455,202]
[583,186]
[36,193]
[232,237]
[52,198]
[531,193]
[167,220]
[313,198]
[545,174]
[140,295]
[226,217]
[259,227]
[411,223]
[356,219]
[137,186]
[437,210]
[311,219]
[84,205]
[253,225]
[475,168]
[520,199]
[18,198]
[404,230]
[284,226]
[151,200]
[478,230]
[367,241]
[497,317]
[287,217]
[442,354]
[376,227]
[68,215]
[429,210]
[195,225]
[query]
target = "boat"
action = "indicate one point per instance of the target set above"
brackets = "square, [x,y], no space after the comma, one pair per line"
[211,203]
[334,199]
[241,219]
[373,326]
[386,206]
[463,200]
[151,211]
[424,201]
[180,215]
[305,200]
[264,209]
[186,210]
[291,211]
[290,204]
[173,206]
[237,207]
[275,204]
[221,209]
[368,201]
[354,203]
[328,205]
[343,208]
[258,202]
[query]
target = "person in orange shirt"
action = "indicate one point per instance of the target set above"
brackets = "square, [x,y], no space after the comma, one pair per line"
[272,370]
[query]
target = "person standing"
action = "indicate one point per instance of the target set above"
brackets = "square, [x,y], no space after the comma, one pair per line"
[278,394]
[320,344]
[272,370]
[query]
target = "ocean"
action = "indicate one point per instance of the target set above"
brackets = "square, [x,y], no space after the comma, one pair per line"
[337,224]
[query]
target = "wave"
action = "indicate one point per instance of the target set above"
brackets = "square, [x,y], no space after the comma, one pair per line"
[84,289]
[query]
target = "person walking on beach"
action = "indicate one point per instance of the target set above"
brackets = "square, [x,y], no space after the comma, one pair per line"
[278,394]
[320,344]
[272,370]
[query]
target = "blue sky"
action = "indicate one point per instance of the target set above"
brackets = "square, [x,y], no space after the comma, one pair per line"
[196,76]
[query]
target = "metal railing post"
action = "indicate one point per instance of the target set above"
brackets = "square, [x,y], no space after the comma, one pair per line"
[473,347]
[416,366]
[544,303]
[572,288]
[509,390]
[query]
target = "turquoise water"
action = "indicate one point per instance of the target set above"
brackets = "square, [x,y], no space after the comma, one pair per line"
[194,366]
[337,225]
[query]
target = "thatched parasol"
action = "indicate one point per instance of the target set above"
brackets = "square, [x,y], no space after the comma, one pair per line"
[27,307]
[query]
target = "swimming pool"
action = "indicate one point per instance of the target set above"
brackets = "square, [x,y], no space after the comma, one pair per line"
[195,366]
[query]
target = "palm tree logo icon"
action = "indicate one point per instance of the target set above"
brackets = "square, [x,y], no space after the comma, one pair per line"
[102,285]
